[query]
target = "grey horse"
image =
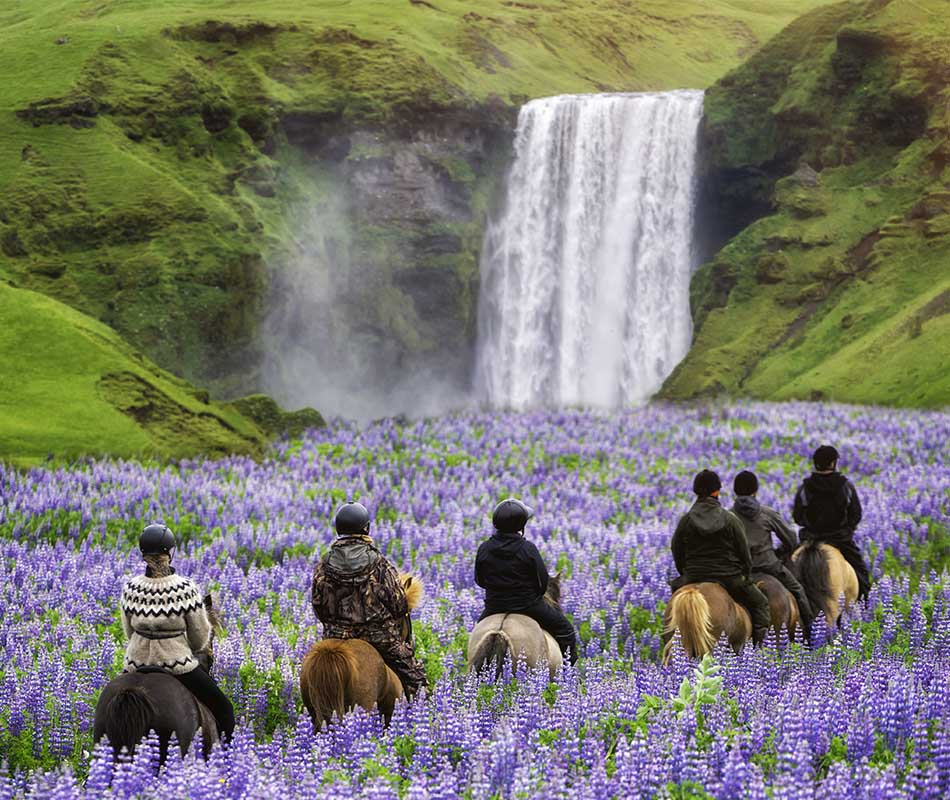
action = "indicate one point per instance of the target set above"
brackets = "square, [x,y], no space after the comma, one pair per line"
[515,636]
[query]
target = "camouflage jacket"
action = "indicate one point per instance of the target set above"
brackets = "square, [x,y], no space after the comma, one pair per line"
[356,592]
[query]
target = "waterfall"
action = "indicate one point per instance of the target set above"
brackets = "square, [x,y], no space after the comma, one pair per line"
[585,274]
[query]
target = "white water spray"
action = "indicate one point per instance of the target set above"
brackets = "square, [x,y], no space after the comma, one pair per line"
[585,275]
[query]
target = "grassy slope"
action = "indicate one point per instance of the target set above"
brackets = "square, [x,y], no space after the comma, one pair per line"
[151,189]
[843,290]
[71,386]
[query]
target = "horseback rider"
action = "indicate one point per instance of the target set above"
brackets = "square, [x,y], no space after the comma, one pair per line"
[710,545]
[828,510]
[511,571]
[760,523]
[168,627]
[356,593]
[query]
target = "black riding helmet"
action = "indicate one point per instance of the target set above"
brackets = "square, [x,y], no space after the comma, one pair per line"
[156,540]
[825,457]
[511,515]
[351,518]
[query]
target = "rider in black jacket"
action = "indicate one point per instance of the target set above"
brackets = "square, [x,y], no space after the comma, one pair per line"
[828,509]
[511,571]
[710,545]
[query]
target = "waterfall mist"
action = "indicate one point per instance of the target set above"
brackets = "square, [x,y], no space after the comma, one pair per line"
[585,274]
[322,345]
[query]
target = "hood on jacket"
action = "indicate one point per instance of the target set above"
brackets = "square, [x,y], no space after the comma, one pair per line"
[351,555]
[747,506]
[825,484]
[707,515]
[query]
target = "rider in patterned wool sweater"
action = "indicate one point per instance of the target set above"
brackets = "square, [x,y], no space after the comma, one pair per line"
[167,625]
[356,593]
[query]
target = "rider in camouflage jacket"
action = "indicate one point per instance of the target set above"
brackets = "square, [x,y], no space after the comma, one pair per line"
[356,594]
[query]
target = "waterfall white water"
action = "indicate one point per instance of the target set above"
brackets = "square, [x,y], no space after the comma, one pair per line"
[585,274]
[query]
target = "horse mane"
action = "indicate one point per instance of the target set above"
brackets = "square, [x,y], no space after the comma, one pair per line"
[326,678]
[127,718]
[552,596]
[415,591]
[689,613]
[811,571]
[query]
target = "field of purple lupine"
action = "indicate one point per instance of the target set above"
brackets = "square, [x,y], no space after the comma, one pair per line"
[865,714]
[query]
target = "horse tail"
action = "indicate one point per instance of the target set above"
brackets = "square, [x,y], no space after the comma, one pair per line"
[326,680]
[494,649]
[815,577]
[689,613]
[127,718]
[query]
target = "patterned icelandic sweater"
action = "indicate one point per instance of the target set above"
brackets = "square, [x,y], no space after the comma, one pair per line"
[166,623]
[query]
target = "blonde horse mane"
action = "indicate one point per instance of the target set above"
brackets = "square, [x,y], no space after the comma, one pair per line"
[415,591]
[689,614]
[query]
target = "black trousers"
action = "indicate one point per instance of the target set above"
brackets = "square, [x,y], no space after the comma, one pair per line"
[844,541]
[743,591]
[203,686]
[550,618]
[790,582]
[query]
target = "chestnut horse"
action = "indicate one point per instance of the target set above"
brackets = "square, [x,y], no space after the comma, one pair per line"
[825,576]
[515,636]
[702,612]
[339,674]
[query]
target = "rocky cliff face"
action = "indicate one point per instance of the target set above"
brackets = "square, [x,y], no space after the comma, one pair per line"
[374,310]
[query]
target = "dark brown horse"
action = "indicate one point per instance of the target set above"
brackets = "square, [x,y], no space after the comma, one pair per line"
[339,674]
[782,605]
[135,703]
[515,636]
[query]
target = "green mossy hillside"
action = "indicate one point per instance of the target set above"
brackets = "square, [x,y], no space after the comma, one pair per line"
[833,145]
[72,386]
[154,154]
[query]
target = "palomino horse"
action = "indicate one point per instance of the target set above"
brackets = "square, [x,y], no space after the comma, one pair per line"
[135,703]
[338,674]
[825,576]
[501,636]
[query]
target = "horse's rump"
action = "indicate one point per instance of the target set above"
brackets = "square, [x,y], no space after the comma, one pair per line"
[782,605]
[689,614]
[326,678]
[825,575]
[126,718]
[134,703]
[517,636]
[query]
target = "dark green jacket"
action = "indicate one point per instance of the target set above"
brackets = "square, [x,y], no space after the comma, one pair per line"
[710,543]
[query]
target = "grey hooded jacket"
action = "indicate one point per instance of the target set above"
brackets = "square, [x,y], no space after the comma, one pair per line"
[760,523]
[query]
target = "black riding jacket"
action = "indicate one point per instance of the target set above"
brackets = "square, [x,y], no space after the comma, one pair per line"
[826,505]
[511,571]
[709,543]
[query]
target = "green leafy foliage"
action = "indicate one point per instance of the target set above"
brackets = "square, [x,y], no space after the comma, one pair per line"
[832,141]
